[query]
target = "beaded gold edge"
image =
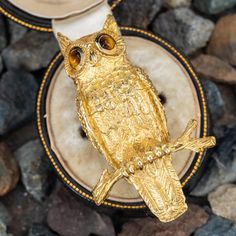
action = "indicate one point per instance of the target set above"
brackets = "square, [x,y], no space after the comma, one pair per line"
[66,180]
[21,22]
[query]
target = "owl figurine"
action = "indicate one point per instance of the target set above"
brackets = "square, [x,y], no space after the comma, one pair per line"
[119,110]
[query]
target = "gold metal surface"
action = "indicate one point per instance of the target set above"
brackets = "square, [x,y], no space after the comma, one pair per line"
[120,112]
[59,170]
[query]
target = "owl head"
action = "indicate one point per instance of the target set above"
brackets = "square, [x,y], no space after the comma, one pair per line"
[92,51]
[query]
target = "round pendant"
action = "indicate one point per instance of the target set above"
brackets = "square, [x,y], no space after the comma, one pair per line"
[72,155]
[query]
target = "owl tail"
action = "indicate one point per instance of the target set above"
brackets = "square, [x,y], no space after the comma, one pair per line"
[160,188]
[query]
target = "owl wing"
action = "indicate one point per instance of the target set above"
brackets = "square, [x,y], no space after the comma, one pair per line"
[85,125]
[159,107]
[158,183]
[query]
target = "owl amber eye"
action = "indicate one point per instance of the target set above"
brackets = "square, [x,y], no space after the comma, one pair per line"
[106,42]
[75,57]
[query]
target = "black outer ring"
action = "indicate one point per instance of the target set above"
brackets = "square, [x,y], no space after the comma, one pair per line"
[133,212]
[25,16]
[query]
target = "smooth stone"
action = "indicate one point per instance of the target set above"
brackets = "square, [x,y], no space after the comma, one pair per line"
[184,225]
[3,33]
[223,201]
[35,171]
[16,31]
[222,164]
[214,100]
[188,31]
[217,226]
[3,229]
[70,217]
[229,98]
[1,64]
[9,173]
[5,216]
[32,52]
[22,135]
[223,40]
[176,3]
[40,230]
[18,91]
[215,69]
[213,6]
[25,211]
[137,13]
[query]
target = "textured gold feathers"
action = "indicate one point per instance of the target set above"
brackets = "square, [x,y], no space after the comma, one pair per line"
[121,114]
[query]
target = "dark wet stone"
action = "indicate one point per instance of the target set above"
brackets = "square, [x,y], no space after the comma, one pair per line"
[214,100]
[18,90]
[213,6]
[185,29]
[40,230]
[70,217]
[184,225]
[21,136]
[1,64]
[5,216]
[35,171]
[24,210]
[229,99]
[9,173]
[16,31]
[222,164]
[137,13]
[217,226]
[32,52]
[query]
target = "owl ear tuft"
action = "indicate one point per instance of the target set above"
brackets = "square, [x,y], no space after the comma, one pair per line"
[64,42]
[111,25]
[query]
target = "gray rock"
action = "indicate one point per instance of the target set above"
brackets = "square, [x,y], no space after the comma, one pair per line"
[137,13]
[34,169]
[188,31]
[21,136]
[213,6]
[222,201]
[214,99]
[16,31]
[25,211]
[4,215]
[3,229]
[176,3]
[18,92]
[1,64]
[217,226]
[3,34]
[32,52]
[40,230]
[222,165]
[229,99]
[69,217]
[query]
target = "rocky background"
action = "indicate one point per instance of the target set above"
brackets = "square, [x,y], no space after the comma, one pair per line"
[34,203]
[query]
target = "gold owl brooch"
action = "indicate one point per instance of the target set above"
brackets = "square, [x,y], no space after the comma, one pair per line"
[121,114]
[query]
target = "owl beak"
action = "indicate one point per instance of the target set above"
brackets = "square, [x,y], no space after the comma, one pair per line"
[93,57]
